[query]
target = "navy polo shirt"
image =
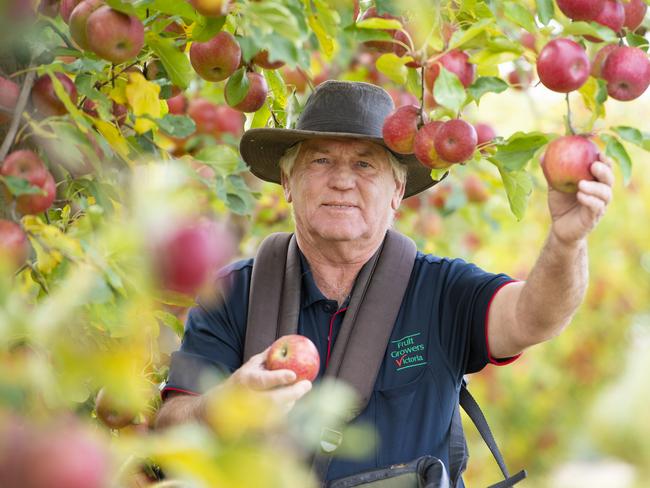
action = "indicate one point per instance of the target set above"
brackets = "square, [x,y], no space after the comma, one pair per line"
[440,334]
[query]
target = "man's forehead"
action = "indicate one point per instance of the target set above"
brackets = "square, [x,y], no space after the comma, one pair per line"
[326,145]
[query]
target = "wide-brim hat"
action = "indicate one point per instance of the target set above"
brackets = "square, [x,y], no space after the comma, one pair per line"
[336,109]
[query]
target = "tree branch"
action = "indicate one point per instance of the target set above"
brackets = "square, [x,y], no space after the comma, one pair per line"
[18,111]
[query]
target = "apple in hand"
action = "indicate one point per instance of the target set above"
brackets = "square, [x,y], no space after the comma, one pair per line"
[400,128]
[45,99]
[28,166]
[114,36]
[568,160]
[256,95]
[9,92]
[563,65]
[109,412]
[627,73]
[216,59]
[297,353]
[456,141]
[424,146]
[14,245]
[581,9]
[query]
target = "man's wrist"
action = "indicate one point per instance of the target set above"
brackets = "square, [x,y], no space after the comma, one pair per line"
[566,245]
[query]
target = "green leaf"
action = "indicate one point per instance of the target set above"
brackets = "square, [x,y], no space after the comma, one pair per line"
[545,11]
[590,93]
[176,64]
[394,67]
[448,90]
[379,23]
[363,35]
[414,83]
[281,48]
[237,86]
[520,15]
[261,117]
[592,29]
[207,27]
[223,159]
[486,84]
[516,151]
[634,135]
[177,125]
[616,151]
[277,87]
[174,7]
[171,321]
[20,186]
[461,37]
[518,186]
[636,40]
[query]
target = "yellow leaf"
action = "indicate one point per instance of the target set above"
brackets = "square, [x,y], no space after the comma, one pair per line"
[143,96]
[118,92]
[114,137]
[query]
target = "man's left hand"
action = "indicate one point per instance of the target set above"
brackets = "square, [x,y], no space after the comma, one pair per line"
[576,214]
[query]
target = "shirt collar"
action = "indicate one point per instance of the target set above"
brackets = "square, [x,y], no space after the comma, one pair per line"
[311,294]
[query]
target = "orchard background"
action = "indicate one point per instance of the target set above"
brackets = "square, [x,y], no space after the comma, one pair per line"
[150,194]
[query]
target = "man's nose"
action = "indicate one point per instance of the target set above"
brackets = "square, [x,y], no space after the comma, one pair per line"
[341,177]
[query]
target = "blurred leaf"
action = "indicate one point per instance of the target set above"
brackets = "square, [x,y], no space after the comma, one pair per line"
[237,86]
[590,93]
[20,186]
[634,135]
[486,84]
[174,7]
[590,28]
[324,23]
[207,27]
[177,125]
[448,90]
[171,321]
[519,148]
[261,117]
[394,67]
[519,186]
[461,37]
[637,41]
[223,159]
[176,63]
[545,11]
[616,151]
[520,15]
[379,23]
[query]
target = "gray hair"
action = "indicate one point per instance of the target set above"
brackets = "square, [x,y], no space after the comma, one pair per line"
[289,157]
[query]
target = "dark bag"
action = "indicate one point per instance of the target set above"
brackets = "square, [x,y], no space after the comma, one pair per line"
[424,472]
[364,335]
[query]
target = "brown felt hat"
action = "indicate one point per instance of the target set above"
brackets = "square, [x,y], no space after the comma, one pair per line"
[341,109]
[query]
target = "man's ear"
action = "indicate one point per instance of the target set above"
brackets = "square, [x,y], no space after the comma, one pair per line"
[398,195]
[285,186]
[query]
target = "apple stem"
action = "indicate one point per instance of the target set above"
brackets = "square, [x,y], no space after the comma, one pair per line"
[15,120]
[275,119]
[568,116]
[64,38]
[421,116]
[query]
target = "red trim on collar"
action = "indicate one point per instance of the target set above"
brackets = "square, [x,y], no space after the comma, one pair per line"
[165,390]
[495,361]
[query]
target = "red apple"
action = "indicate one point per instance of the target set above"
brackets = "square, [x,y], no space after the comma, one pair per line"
[189,255]
[177,105]
[520,79]
[455,141]
[627,72]
[414,203]
[400,127]
[612,16]
[455,61]
[214,119]
[66,7]
[211,8]
[599,60]
[110,413]
[581,9]
[528,40]
[475,189]
[27,165]
[634,13]
[295,77]
[78,21]
[568,160]
[401,98]
[262,59]
[114,36]
[216,59]
[424,146]
[256,95]
[45,99]
[9,92]
[485,134]
[381,46]
[297,353]
[563,65]
[14,246]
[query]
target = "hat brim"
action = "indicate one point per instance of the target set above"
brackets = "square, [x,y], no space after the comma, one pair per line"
[262,148]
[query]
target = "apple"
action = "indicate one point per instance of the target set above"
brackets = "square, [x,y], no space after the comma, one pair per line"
[581,9]
[256,95]
[214,119]
[401,98]
[455,141]
[612,16]
[110,413]
[627,72]
[49,8]
[78,21]
[634,13]
[297,353]
[567,160]
[381,46]
[27,165]
[400,127]
[262,60]
[455,61]
[177,105]
[14,246]
[424,146]
[296,78]
[216,59]
[211,8]
[599,59]
[45,99]
[520,79]
[475,190]
[189,255]
[119,111]
[485,134]
[9,92]
[563,65]
[114,36]
[66,7]
[528,40]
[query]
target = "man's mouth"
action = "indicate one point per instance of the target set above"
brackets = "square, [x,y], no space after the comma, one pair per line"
[339,205]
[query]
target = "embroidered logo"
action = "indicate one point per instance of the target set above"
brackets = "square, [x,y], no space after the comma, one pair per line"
[407,352]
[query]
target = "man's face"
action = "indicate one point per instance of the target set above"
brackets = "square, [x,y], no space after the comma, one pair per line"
[342,190]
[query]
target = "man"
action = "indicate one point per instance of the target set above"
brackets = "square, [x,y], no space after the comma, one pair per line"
[345,187]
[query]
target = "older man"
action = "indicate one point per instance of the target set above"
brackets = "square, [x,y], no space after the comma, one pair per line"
[345,187]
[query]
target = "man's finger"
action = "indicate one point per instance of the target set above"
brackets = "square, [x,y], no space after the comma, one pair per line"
[595,205]
[603,172]
[265,380]
[289,394]
[596,189]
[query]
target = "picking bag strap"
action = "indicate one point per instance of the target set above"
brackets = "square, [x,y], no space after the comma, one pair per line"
[475,413]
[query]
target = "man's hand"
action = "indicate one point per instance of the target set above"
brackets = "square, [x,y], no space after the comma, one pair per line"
[575,215]
[280,384]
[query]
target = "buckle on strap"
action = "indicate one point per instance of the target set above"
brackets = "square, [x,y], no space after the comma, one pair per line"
[512,480]
[330,439]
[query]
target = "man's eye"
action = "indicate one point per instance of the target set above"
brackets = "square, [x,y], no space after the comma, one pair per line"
[321,161]
[364,164]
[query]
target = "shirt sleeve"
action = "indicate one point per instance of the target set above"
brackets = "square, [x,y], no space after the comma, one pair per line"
[466,295]
[213,342]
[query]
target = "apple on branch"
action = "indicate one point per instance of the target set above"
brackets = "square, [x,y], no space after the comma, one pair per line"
[255,96]
[627,73]
[216,59]
[78,21]
[14,246]
[297,353]
[400,127]
[581,9]
[634,13]
[28,166]
[612,15]
[114,36]
[455,61]
[45,99]
[211,8]
[424,146]
[563,65]
[456,140]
